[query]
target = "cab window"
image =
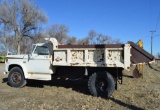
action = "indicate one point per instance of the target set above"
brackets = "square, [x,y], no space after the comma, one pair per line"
[41,50]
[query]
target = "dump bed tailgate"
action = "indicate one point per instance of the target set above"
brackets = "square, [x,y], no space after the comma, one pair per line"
[139,55]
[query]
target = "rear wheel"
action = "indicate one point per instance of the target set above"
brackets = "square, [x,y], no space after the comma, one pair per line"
[101,84]
[16,78]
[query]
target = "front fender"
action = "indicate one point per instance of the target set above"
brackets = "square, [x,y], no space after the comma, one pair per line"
[17,64]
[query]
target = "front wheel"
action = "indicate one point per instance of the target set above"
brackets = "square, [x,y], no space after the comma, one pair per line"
[16,78]
[101,84]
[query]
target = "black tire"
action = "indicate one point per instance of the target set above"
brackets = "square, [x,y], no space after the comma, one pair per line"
[16,78]
[101,84]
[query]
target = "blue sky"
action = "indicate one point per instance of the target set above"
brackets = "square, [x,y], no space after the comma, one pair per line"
[127,20]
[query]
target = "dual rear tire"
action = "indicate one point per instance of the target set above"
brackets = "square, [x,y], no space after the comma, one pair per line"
[101,84]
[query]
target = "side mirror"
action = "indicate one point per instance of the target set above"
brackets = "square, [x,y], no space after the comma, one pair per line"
[29,56]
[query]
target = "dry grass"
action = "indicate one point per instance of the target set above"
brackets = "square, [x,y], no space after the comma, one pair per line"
[73,95]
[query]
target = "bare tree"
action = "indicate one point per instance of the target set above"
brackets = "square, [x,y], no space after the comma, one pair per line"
[23,17]
[58,31]
[99,38]
[71,40]
[92,36]
[117,41]
[83,41]
[102,39]
[5,44]
[5,19]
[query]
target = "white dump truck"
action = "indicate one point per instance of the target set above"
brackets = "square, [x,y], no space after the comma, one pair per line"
[101,64]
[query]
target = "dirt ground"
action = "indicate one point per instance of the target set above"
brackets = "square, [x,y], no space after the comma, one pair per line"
[133,94]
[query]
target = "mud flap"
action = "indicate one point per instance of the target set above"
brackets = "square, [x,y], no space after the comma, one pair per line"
[138,70]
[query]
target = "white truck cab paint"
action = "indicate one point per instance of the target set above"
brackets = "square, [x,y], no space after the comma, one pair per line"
[36,65]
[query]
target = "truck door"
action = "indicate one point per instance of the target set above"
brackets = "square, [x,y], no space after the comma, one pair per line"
[40,60]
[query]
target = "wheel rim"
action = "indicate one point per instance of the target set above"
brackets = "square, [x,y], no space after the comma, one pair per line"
[101,84]
[16,77]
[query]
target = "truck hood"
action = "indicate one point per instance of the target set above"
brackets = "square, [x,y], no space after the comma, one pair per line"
[16,56]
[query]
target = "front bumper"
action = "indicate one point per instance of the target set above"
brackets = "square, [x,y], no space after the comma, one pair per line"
[5,72]
[6,68]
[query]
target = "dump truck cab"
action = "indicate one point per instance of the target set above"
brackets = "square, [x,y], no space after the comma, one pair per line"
[35,65]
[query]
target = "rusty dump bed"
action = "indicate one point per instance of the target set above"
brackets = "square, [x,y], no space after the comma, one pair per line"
[93,46]
[139,55]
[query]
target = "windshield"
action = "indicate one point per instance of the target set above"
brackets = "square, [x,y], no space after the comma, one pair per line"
[41,50]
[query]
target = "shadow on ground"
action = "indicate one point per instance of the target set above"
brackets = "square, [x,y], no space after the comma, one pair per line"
[128,76]
[78,86]
[5,80]
[129,106]
[154,68]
